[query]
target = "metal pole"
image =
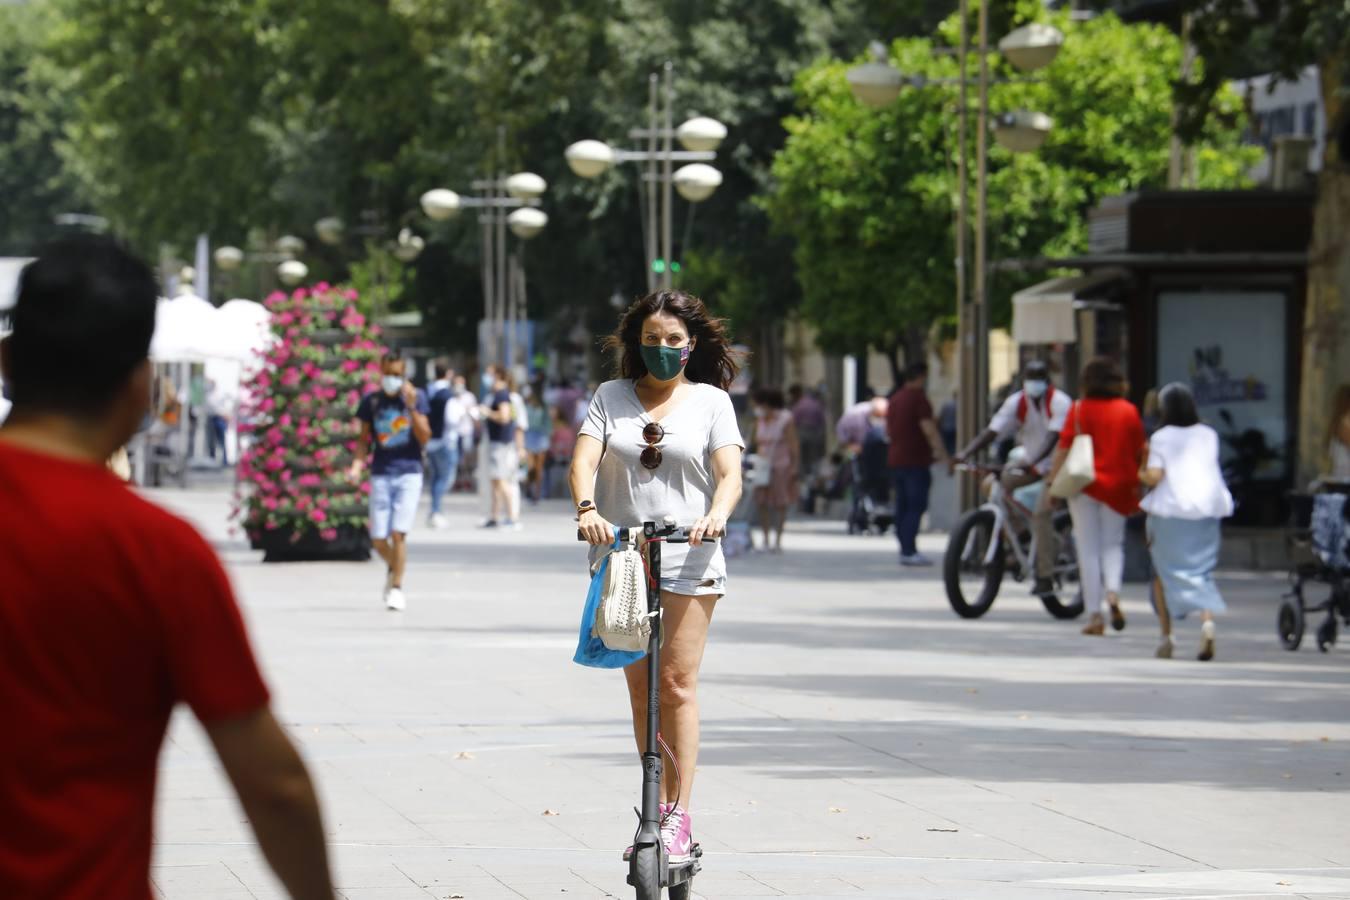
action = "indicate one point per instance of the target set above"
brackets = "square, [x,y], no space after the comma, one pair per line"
[651,186]
[967,426]
[981,299]
[499,214]
[485,217]
[668,179]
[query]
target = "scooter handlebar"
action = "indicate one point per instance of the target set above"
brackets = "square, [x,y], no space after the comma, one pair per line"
[671,534]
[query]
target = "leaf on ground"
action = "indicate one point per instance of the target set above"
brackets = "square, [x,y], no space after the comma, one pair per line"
[837,809]
[1283,883]
[455,897]
[864,837]
[550,812]
[464,754]
[972,690]
[1286,774]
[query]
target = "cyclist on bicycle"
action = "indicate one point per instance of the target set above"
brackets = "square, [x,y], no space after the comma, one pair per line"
[1036,415]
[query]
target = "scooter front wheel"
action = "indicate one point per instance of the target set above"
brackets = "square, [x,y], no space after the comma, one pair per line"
[646,873]
[682,891]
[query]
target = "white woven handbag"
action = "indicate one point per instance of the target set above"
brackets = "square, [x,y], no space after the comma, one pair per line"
[621,620]
[1079,468]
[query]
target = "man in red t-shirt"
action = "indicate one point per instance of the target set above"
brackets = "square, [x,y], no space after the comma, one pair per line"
[915,443]
[112,611]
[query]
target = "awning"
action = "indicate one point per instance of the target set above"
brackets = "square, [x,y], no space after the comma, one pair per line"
[1044,313]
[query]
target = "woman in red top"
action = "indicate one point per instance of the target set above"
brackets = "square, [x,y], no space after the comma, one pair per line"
[1099,512]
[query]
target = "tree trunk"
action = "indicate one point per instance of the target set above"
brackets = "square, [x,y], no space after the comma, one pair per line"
[1326,317]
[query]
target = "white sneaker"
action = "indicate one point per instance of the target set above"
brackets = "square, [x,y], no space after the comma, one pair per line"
[394,599]
[439,522]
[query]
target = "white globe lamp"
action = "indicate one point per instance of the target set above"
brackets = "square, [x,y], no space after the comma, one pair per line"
[329,229]
[1022,131]
[526,186]
[527,222]
[1032,46]
[290,245]
[441,204]
[697,182]
[228,258]
[701,134]
[590,159]
[292,272]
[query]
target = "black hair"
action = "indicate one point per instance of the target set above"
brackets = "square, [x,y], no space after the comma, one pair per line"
[82,322]
[712,361]
[1176,406]
[771,397]
[392,357]
[916,370]
[442,368]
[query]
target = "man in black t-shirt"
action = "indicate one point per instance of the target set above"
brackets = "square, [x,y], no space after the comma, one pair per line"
[394,427]
[503,458]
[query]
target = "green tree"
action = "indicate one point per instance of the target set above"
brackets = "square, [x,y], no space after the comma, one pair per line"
[1288,35]
[35,106]
[868,195]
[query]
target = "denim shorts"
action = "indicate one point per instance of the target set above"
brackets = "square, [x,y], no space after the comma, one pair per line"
[694,587]
[393,503]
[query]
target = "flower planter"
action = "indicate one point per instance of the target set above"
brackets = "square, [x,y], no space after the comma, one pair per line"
[281,545]
[296,500]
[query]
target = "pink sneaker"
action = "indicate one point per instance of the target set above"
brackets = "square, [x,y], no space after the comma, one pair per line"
[628,854]
[677,835]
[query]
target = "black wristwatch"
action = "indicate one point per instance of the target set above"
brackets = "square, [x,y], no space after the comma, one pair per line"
[585,506]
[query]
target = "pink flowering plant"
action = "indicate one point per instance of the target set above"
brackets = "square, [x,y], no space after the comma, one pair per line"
[298,416]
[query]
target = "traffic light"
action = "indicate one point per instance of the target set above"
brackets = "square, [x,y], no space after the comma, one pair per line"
[659,266]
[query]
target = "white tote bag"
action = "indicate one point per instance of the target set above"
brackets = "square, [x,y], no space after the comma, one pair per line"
[1080,465]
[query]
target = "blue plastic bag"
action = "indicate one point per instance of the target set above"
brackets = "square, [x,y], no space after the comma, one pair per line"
[591,651]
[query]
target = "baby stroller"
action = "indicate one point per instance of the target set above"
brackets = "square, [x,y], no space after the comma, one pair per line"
[1317,538]
[870,511]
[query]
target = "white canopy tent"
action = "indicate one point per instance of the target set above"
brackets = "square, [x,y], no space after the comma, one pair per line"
[227,342]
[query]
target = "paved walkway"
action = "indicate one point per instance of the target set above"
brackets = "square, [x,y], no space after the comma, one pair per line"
[859,739]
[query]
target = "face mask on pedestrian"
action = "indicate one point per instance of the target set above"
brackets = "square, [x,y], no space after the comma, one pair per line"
[1035,388]
[391,384]
[665,363]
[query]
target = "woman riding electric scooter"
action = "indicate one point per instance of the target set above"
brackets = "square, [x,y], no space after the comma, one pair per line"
[661,443]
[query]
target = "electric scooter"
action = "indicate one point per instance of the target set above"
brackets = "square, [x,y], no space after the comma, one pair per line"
[649,869]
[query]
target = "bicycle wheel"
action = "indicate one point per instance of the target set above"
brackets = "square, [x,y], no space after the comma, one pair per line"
[972,584]
[1061,610]
[646,875]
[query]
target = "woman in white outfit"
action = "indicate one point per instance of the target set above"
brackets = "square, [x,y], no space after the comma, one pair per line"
[1187,500]
[662,440]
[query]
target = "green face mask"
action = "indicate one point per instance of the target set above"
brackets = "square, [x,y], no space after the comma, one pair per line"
[665,363]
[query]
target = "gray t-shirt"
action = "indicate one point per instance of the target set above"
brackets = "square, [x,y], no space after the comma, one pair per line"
[626,493]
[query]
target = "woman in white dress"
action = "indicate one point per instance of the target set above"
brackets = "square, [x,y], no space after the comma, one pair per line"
[1187,501]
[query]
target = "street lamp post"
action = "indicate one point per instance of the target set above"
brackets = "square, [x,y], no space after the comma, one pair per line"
[406,247]
[695,182]
[506,201]
[877,83]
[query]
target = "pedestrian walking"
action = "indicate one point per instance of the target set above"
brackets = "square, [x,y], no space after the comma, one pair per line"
[659,441]
[445,414]
[95,654]
[538,435]
[394,429]
[914,445]
[503,454]
[1187,500]
[808,416]
[775,441]
[1100,510]
[219,411]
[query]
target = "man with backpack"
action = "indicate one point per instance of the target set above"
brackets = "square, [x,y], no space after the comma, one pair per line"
[447,417]
[1035,414]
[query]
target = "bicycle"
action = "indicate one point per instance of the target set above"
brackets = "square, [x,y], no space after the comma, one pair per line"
[649,869]
[998,537]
